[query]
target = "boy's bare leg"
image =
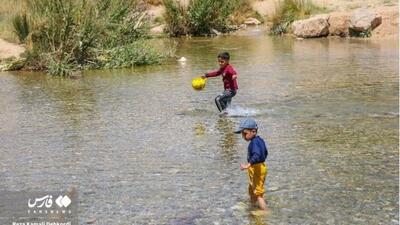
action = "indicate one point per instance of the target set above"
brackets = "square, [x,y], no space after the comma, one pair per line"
[261,203]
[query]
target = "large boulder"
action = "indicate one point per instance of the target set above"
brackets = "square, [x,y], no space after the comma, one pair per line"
[339,23]
[316,26]
[363,20]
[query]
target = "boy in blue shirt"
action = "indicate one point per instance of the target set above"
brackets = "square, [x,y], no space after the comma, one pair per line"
[257,153]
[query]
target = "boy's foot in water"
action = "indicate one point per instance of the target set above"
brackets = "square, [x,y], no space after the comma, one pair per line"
[223,112]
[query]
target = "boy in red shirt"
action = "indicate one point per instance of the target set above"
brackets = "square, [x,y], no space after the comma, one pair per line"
[229,77]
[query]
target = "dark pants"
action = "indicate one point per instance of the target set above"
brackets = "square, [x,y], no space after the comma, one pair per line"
[224,100]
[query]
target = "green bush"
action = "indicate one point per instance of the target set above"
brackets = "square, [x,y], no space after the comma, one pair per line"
[176,18]
[134,54]
[288,11]
[199,17]
[59,67]
[21,26]
[71,34]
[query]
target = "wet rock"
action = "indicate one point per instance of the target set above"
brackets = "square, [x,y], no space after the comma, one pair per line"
[252,21]
[313,27]
[363,20]
[339,23]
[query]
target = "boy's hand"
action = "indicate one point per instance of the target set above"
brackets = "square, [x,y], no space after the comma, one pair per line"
[234,76]
[204,76]
[244,166]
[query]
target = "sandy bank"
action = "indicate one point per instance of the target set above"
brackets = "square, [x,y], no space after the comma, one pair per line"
[8,49]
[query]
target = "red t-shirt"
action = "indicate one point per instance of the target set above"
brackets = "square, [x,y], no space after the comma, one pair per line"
[227,72]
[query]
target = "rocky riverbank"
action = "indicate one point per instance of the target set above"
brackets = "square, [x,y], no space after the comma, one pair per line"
[366,19]
[375,23]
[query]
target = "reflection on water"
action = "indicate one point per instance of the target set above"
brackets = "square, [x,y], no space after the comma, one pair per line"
[143,148]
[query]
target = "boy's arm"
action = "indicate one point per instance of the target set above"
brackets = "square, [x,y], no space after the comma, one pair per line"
[255,155]
[245,166]
[213,73]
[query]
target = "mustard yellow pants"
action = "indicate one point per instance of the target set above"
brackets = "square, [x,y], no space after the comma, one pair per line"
[257,173]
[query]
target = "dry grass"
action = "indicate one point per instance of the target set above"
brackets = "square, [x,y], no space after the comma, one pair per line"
[8,9]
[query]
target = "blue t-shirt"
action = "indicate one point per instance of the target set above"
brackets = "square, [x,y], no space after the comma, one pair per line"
[257,151]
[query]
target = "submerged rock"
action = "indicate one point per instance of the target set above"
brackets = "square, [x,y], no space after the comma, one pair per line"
[313,27]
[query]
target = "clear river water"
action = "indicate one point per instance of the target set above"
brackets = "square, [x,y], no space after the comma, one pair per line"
[142,147]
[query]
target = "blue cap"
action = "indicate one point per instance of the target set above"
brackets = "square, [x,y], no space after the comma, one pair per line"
[246,124]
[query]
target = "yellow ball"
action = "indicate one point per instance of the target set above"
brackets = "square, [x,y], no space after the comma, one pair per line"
[198,83]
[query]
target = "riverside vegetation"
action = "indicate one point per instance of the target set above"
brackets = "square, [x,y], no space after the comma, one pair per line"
[203,17]
[63,36]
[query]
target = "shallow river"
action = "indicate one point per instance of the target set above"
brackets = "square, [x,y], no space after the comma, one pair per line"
[142,147]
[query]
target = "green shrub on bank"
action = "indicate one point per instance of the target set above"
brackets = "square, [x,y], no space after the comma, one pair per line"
[199,17]
[68,35]
[176,18]
[287,11]
[134,54]
[21,26]
[60,67]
